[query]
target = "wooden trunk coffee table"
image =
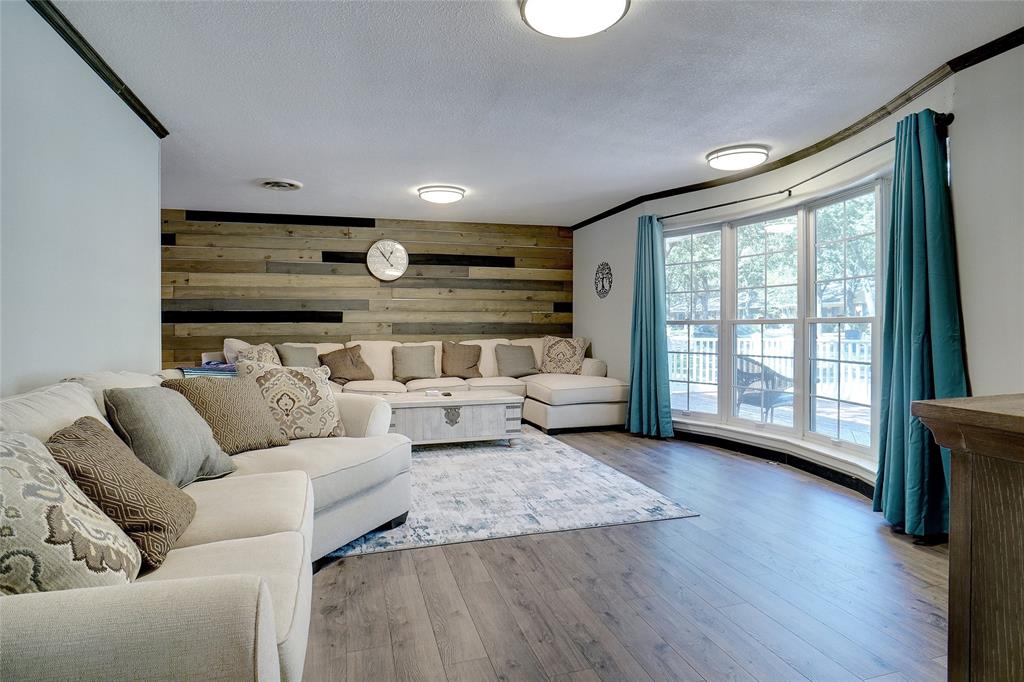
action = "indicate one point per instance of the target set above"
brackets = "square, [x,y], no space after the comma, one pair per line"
[463,416]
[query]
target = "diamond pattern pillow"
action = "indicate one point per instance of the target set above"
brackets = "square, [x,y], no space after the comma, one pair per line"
[52,536]
[563,356]
[300,398]
[152,511]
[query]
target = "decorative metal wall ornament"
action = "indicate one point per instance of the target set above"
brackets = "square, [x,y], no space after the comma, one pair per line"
[603,280]
[452,415]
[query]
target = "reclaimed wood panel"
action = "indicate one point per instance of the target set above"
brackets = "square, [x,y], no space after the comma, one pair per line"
[304,278]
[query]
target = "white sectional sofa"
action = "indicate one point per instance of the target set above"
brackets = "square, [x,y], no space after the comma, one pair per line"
[553,401]
[232,599]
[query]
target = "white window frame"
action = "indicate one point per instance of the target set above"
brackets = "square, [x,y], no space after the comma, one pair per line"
[806,311]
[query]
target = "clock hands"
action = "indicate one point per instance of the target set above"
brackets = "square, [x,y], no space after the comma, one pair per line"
[387,256]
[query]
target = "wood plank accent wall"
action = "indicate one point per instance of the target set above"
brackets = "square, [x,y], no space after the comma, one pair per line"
[305,279]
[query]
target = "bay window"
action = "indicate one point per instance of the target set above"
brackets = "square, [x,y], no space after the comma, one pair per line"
[771,321]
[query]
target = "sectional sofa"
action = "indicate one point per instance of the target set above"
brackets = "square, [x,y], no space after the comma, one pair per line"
[232,599]
[553,401]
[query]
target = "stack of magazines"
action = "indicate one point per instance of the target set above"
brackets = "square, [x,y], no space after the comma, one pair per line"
[210,369]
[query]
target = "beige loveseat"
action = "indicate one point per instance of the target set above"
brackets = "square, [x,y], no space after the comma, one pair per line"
[232,599]
[553,401]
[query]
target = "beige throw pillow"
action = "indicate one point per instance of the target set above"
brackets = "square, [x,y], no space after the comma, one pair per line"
[413,362]
[347,364]
[261,353]
[563,356]
[235,410]
[515,361]
[52,536]
[300,398]
[460,360]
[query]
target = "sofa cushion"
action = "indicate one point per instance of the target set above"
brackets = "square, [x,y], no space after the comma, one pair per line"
[413,362]
[377,354]
[45,410]
[281,560]
[54,537]
[488,366]
[235,410]
[300,398]
[563,356]
[98,382]
[375,387]
[574,389]
[293,355]
[249,506]
[166,433]
[460,360]
[440,383]
[347,364]
[508,384]
[515,361]
[152,511]
[340,468]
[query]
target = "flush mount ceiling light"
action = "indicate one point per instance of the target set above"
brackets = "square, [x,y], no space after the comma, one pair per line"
[572,18]
[441,194]
[280,184]
[738,157]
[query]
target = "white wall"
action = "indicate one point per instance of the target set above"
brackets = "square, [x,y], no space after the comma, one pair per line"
[80,230]
[987,159]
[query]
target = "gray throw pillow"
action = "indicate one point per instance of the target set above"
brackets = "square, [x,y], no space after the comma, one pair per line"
[413,362]
[515,361]
[297,356]
[166,434]
[460,360]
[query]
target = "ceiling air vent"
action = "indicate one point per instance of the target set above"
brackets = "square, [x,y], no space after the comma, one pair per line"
[280,184]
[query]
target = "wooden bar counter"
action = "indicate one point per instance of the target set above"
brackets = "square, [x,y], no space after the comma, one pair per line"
[986,536]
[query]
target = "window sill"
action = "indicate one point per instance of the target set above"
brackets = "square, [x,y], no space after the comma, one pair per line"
[853,464]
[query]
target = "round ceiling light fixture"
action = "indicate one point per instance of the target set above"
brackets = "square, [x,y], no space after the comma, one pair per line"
[572,18]
[280,184]
[441,194]
[739,157]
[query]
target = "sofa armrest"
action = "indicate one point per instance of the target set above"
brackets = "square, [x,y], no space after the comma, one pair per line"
[364,415]
[211,628]
[594,368]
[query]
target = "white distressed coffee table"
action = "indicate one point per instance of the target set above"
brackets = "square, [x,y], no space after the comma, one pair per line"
[463,416]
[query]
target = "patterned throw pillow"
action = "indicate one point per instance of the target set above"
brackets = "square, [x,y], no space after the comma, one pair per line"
[52,537]
[262,353]
[152,511]
[563,356]
[234,409]
[300,398]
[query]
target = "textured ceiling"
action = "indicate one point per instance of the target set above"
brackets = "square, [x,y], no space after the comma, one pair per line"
[364,101]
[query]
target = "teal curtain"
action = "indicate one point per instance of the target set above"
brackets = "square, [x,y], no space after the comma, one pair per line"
[649,410]
[922,348]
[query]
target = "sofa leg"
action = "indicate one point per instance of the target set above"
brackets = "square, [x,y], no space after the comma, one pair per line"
[393,523]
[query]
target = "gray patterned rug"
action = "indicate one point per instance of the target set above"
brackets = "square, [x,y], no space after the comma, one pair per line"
[477,491]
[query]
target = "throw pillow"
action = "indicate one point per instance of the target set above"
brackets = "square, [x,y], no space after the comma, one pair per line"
[347,364]
[460,360]
[167,434]
[413,362]
[235,410]
[297,356]
[300,398]
[515,361]
[563,356]
[150,510]
[53,537]
[261,353]
[231,348]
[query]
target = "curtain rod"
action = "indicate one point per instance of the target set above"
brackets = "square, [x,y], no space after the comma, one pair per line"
[942,120]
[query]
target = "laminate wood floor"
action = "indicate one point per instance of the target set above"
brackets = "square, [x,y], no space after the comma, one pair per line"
[784,576]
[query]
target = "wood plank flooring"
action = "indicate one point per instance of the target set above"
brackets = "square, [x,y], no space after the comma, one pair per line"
[784,576]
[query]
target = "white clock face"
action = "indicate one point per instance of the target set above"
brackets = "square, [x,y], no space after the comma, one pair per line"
[387,260]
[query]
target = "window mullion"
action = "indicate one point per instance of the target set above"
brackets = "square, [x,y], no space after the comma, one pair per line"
[726,328]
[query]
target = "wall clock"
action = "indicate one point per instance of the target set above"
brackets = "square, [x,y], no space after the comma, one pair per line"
[603,280]
[387,260]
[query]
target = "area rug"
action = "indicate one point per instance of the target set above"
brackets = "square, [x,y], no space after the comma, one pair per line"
[477,491]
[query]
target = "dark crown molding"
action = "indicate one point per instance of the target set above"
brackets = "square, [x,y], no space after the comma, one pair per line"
[53,16]
[975,56]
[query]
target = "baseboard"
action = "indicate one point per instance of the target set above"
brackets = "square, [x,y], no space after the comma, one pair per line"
[819,470]
[575,429]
